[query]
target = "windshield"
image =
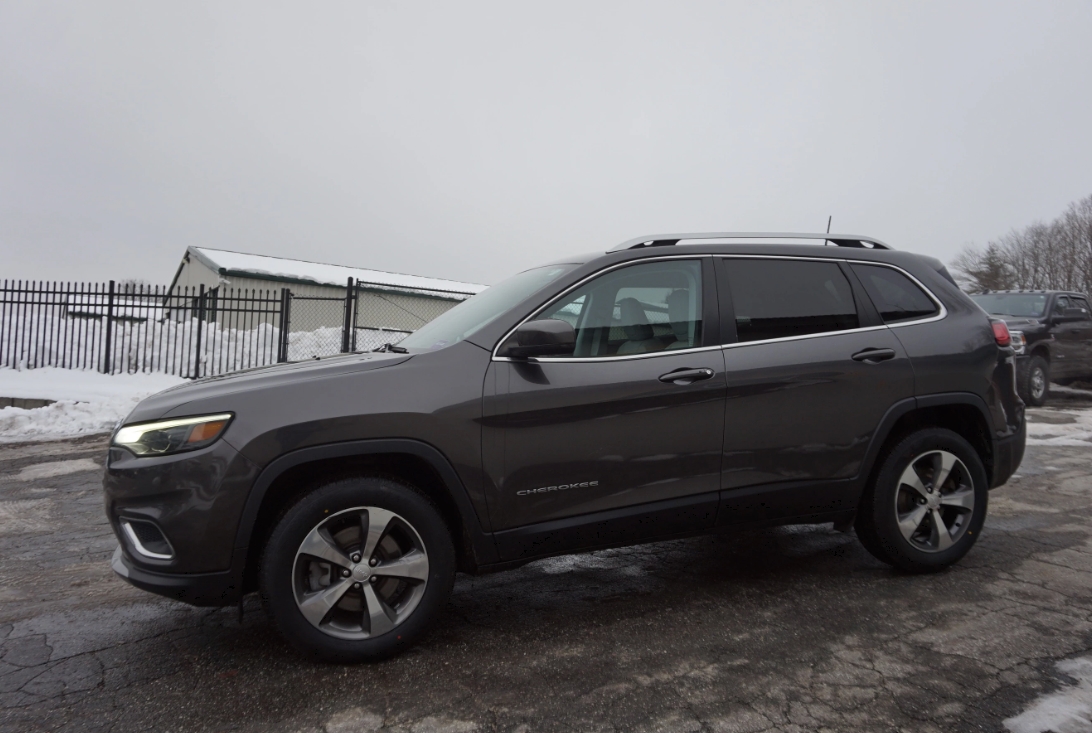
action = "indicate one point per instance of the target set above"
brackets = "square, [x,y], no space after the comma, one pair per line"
[474,313]
[1024,305]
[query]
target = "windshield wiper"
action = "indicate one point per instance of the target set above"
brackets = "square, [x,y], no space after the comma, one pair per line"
[388,347]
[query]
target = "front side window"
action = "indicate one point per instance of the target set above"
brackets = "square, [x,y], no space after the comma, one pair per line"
[895,295]
[783,298]
[1060,305]
[637,309]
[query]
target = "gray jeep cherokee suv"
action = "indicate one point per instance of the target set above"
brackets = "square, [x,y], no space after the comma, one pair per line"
[660,390]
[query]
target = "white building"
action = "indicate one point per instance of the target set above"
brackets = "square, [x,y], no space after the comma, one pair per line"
[385,300]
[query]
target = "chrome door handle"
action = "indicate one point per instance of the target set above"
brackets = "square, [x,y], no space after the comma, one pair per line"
[874,356]
[686,376]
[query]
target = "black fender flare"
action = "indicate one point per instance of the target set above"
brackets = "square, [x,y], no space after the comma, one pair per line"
[481,544]
[909,404]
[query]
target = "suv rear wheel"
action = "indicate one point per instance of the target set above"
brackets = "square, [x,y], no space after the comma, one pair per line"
[928,503]
[357,570]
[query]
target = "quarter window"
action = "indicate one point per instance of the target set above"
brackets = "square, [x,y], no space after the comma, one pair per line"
[638,309]
[895,295]
[782,298]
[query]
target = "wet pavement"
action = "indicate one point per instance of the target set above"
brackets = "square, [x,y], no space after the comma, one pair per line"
[792,629]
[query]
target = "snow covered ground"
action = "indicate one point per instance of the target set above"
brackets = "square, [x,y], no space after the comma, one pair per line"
[86,402]
[1068,710]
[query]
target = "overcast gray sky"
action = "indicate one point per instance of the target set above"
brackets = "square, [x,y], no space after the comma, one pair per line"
[470,140]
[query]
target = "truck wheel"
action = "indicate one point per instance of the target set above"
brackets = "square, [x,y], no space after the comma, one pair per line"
[927,504]
[1036,384]
[357,570]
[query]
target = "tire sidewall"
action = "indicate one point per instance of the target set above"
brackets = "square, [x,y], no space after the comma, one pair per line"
[1037,363]
[902,553]
[279,557]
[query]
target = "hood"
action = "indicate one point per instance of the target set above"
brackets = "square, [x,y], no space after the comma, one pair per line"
[265,377]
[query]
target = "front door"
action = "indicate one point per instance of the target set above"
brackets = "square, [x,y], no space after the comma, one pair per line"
[809,378]
[634,416]
[1072,331]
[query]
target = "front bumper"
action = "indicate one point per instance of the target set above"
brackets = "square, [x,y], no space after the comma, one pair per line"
[198,589]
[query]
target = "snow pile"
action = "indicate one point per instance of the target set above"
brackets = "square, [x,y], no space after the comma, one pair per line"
[1067,711]
[1076,433]
[86,402]
[48,339]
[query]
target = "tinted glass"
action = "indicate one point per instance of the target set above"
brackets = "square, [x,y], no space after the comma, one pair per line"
[895,295]
[1060,305]
[781,298]
[470,315]
[1083,305]
[639,309]
[1022,305]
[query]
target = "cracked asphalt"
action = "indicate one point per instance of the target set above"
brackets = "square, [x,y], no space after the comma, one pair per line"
[789,629]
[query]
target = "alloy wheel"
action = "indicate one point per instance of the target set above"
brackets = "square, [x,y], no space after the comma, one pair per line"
[1038,383]
[934,501]
[360,573]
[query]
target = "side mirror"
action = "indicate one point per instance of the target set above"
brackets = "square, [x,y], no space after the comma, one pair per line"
[548,337]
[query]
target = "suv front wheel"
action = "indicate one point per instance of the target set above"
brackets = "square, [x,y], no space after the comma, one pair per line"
[357,570]
[928,503]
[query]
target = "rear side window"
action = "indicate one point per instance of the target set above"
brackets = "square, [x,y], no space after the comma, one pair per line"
[895,296]
[782,298]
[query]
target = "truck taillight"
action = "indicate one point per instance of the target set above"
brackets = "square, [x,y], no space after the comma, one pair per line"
[1001,334]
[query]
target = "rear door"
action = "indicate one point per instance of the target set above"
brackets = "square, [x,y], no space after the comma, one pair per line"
[809,377]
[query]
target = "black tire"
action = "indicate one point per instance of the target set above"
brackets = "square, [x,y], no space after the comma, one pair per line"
[1035,386]
[281,571]
[889,499]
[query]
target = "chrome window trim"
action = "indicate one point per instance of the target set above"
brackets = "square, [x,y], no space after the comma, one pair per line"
[818,334]
[131,534]
[942,314]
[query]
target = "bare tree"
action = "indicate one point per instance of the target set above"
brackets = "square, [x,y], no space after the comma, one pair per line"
[1054,256]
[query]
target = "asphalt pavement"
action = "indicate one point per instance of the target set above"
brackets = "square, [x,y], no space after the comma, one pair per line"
[788,629]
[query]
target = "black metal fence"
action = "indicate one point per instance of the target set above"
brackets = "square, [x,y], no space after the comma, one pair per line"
[192,331]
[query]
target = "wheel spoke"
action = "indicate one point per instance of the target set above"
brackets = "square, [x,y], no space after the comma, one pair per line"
[944,465]
[318,544]
[413,565]
[380,621]
[910,478]
[909,523]
[317,605]
[941,538]
[373,528]
[964,499]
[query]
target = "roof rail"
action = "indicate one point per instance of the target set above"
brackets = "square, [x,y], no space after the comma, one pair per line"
[667,240]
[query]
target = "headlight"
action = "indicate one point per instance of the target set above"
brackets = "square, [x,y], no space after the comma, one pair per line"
[1018,341]
[172,436]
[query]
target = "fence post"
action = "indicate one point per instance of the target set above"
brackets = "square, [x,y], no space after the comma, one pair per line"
[347,329]
[286,307]
[107,356]
[200,323]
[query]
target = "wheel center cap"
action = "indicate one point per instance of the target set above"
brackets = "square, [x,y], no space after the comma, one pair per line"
[361,572]
[933,501]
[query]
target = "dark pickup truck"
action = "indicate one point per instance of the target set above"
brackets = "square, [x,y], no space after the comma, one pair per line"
[1051,332]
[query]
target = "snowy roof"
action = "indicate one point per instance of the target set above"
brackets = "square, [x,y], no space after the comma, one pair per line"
[280,268]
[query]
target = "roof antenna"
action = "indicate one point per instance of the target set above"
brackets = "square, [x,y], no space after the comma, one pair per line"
[828,222]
